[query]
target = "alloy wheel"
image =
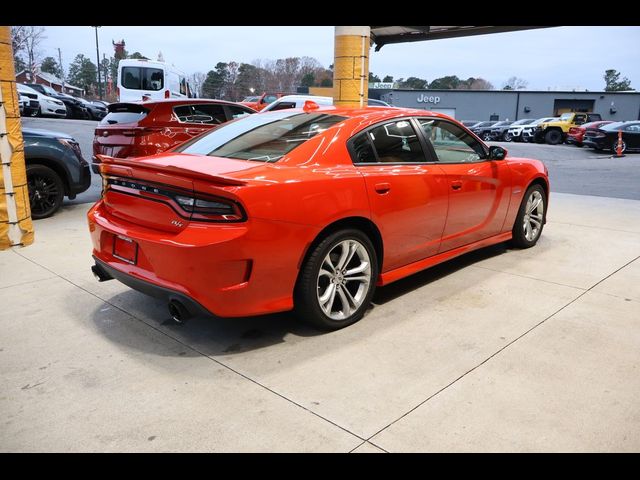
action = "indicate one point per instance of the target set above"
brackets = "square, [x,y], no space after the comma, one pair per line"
[343,280]
[43,194]
[534,214]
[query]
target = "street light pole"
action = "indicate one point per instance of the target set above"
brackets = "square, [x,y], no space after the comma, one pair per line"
[98,60]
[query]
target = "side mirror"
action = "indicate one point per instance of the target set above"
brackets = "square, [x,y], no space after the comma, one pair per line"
[497,153]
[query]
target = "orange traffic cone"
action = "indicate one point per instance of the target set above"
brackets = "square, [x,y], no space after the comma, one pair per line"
[619,145]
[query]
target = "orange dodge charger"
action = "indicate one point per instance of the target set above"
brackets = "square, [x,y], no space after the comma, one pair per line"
[308,209]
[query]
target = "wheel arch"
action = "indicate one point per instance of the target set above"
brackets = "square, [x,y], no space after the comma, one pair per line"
[56,167]
[360,223]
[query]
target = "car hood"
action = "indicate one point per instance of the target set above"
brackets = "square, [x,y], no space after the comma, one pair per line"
[35,132]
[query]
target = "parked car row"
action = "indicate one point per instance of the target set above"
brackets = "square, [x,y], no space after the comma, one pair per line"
[42,100]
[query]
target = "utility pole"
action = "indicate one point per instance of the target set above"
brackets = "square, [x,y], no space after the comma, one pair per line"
[61,69]
[98,62]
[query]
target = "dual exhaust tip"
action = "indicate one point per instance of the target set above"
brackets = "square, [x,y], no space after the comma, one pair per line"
[178,311]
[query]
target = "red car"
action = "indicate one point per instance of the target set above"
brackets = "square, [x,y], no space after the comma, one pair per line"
[137,129]
[258,102]
[576,134]
[309,209]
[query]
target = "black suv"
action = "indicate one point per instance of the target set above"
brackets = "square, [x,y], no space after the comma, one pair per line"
[75,108]
[55,168]
[483,129]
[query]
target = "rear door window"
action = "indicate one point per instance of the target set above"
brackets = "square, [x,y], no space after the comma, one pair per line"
[233,111]
[201,113]
[394,142]
[142,78]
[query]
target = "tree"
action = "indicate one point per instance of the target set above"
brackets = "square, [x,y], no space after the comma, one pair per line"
[26,41]
[308,80]
[82,73]
[50,65]
[137,55]
[413,83]
[388,79]
[449,82]
[613,82]
[216,81]
[326,82]
[515,83]
[475,84]
[373,78]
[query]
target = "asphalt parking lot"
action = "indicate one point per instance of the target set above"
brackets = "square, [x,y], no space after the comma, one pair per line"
[498,350]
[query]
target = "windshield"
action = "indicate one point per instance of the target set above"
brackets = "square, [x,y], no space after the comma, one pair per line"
[250,99]
[264,138]
[566,116]
[502,124]
[612,126]
[525,121]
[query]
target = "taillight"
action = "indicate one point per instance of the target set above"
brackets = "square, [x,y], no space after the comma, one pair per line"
[167,94]
[197,207]
[118,93]
[210,208]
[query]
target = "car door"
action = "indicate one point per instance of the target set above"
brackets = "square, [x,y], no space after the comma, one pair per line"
[632,136]
[478,188]
[407,191]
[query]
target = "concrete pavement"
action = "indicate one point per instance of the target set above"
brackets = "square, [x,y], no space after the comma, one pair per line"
[499,350]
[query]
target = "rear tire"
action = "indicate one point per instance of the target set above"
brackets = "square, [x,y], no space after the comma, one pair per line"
[531,218]
[614,146]
[506,136]
[46,191]
[486,137]
[337,280]
[553,137]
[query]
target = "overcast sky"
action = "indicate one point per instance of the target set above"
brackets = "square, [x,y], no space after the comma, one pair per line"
[564,57]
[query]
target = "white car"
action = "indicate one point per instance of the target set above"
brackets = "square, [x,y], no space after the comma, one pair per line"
[528,131]
[514,133]
[48,105]
[23,101]
[297,101]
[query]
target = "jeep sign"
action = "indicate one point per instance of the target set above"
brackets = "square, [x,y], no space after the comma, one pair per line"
[428,99]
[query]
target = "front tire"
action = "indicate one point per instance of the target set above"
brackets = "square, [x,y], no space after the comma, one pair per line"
[531,218]
[337,280]
[553,137]
[46,191]
[614,146]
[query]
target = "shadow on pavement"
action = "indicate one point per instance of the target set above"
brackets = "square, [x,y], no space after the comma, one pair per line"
[215,336]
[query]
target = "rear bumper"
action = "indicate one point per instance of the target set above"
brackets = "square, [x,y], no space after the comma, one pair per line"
[231,270]
[152,290]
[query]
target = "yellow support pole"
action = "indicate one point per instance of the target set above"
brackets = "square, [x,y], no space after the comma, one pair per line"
[16,227]
[351,66]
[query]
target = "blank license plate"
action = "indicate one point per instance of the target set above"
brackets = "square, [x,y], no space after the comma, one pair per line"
[125,249]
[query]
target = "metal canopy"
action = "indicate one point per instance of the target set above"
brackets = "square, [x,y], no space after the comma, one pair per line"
[383,35]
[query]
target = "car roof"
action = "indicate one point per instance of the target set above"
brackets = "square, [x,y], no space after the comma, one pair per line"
[374,114]
[180,101]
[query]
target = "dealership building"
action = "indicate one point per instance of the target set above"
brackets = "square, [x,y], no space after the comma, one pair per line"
[514,104]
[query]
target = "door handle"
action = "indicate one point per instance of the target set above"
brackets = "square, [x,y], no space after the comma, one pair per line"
[456,185]
[382,188]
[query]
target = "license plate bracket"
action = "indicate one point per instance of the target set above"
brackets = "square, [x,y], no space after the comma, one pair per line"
[125,249]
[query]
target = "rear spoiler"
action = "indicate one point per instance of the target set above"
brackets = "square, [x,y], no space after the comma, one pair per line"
[115,166]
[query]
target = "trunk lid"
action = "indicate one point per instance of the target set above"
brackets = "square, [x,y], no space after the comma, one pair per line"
[151,191]
[120,134]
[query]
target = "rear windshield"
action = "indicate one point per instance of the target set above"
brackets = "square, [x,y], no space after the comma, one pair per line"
[263,138]
[124,113]
[142,78]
